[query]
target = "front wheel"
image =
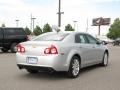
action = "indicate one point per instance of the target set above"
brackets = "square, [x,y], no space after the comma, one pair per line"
[103,42]
[4,50]
[74,68]
[105,60]
[113,44]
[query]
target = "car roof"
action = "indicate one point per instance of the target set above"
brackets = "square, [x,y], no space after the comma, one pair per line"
[11,27]
[74,32]
[67,32]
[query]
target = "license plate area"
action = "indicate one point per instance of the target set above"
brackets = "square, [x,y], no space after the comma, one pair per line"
[32,60]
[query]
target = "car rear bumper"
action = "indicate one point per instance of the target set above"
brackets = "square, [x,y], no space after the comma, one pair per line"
[29,67]
[54,62]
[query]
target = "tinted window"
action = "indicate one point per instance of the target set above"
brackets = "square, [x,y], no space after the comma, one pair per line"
[91,39]
[20,31]
[51,37]
[79,38]
[0,32]
[14,31]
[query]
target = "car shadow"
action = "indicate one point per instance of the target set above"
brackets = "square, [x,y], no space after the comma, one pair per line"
[90,68]
[58,75]
[6,52]
[45,76]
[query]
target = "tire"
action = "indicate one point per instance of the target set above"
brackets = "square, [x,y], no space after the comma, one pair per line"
[74,68]
[103,42]
[4,50]
[32,71]
[113,44]
[13,48]
[105,59]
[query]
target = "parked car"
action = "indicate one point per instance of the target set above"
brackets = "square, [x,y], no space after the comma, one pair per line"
[67,52]
[10,37]
[116,42]
[103,39]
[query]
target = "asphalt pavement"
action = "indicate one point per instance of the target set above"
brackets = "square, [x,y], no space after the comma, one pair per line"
[91,78]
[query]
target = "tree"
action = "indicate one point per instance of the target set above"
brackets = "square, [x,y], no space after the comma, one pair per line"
[27,30]
[37,31]
[47,28]
[114,30]
[3,25]
[69,28]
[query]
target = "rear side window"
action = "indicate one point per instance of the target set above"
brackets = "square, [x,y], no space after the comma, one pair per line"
[51,37]
[15,31]
[0,32]
[80,38]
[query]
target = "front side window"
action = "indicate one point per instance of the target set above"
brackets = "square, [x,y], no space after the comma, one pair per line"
[91,39]
[19,32]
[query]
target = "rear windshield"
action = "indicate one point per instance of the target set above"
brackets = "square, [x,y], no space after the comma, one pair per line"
[51,37]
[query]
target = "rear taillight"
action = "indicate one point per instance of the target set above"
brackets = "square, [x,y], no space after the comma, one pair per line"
[27,38]
[20,48]
[51,50]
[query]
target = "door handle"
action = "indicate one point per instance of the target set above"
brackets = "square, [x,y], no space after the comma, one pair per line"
[80,47]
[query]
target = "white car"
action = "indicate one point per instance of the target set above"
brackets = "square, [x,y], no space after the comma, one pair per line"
[67,52]
[104,39]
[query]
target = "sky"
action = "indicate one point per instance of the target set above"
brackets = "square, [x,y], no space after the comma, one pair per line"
[45,11]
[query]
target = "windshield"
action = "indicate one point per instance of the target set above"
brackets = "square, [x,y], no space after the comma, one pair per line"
[51,37]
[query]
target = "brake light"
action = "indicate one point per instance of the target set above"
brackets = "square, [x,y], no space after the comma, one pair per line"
[27,38]
[20,48]
[51,50]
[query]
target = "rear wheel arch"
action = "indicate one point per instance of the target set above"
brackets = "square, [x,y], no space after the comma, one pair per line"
[70,56]
[74,67]
[77,56]
[73,56]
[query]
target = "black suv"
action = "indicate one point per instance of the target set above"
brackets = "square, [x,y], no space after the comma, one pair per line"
[10,37]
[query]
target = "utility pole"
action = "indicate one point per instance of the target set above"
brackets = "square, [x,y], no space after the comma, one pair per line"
[59,14]
[32,22]
[87,25]
[99,29]
[33,19]
[17,21]
[75,24]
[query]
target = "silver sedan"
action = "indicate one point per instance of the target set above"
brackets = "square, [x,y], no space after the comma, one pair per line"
[67,52]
